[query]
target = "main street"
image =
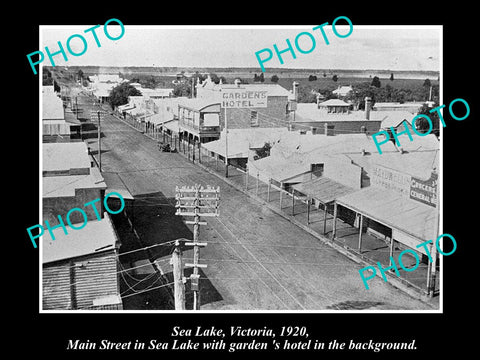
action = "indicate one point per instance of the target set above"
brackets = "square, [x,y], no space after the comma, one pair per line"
[257,260]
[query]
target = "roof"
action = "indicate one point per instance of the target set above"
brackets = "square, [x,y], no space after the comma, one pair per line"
[172,125]
[411,105]
[156,92]
[159,118]
[95,237]
[279,168]
[125,107]
[271,89]
[52,105]
[197,104]
[65,186]
[323,189]
[415,163]
[103,89]
[391,209]
[307,112]
[294,142]
[65,156]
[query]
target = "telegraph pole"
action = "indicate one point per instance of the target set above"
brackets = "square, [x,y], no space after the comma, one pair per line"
[197,201]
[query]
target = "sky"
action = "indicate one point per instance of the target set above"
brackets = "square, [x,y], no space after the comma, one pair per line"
[368,47]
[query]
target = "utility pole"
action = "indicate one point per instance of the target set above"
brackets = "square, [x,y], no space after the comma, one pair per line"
[196,202]
[178,278]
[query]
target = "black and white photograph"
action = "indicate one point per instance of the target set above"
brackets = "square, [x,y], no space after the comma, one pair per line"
[247,188]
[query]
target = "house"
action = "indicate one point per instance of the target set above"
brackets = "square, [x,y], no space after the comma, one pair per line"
[79,266]
[272,113]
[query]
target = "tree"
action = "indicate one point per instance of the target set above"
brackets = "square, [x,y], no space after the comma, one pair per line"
[335,78]
[312,78]
[120,93]
[274,79]
[427,83]
[391,77]
[261,77]
[376,82]
[80,74]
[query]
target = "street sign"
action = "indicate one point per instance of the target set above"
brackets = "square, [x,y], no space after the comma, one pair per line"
[239,98]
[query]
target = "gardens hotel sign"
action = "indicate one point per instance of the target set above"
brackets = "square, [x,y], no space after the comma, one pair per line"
[410,187]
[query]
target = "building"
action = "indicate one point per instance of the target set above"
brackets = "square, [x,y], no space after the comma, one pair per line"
[53,115]
[298,157]
[333,117]
[79,266]
[399,204]
[80,270]
[69,180]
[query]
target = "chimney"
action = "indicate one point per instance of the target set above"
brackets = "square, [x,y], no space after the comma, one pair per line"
[329,129]
[368,105]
